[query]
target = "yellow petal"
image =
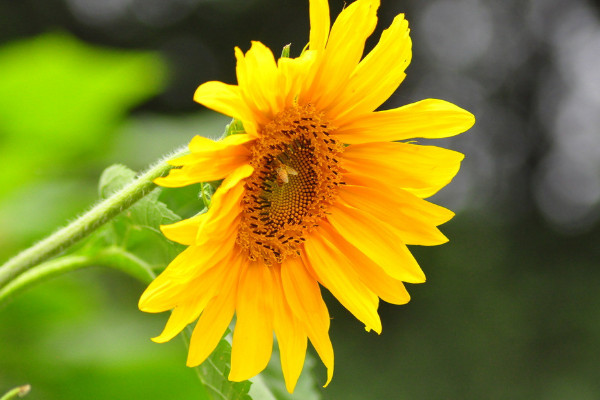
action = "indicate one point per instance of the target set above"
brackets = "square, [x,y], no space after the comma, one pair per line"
[376,241]
[202,146]
[209,161]
[184,231]
[344,49]
[412,218]
[191,272]
[220,217]
[163,293]
[214,233]
[419,208]
[429,118]
[423,170]
[378,75]
[304,298]
[208,253]
[190,231]
[216,316]
[253,335]
[383,285]
[214,238]
[291,335]
[161,296]
[193,298]
[293,73]
[331,267]
[224,208]
[258,80]
[184,314]
[228,100]
[234,178]
[319,24]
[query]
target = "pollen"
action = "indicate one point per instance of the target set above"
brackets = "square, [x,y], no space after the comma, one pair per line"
[295,180]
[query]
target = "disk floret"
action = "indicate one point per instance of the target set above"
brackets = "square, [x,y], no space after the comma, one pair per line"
[295,180]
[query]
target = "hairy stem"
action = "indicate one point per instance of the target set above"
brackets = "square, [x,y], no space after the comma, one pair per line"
[86,223]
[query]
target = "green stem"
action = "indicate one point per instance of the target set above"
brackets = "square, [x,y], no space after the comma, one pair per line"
[112,257]
[42,272]
[86,223]
[20,391]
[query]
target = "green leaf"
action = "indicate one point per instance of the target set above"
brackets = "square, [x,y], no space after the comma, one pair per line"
[214,371]
[149,211]
[114,178]
[271,385]
[137,229]
[268,385]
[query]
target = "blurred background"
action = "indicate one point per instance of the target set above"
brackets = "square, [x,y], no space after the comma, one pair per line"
[511,309]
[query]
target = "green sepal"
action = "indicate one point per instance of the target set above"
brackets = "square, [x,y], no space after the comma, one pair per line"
[285,52]
[233,128]
[206,192]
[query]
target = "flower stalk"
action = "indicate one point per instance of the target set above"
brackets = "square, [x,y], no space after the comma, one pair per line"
[87,223]
[113,257]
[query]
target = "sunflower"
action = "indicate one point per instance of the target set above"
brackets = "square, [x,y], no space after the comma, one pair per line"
[319,190]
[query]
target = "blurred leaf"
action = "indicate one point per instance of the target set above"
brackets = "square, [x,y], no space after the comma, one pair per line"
[18,392]
[183,201]
[137,228]
[84,338]
[148,212]
[214,372]
[153,213]
[271,385]
[268,385]
[60,99]
[114,178]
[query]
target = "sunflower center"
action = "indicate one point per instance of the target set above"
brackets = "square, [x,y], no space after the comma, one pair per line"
[295,180]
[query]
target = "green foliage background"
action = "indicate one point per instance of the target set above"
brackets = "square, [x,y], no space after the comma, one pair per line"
[64,108]
[510,309]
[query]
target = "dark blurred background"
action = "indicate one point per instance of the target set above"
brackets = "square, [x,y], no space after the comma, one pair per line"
[511,309]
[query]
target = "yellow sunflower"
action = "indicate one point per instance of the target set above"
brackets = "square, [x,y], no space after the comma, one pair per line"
[318,190]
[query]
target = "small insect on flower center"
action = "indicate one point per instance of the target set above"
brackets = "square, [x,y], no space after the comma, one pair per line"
[295,180]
